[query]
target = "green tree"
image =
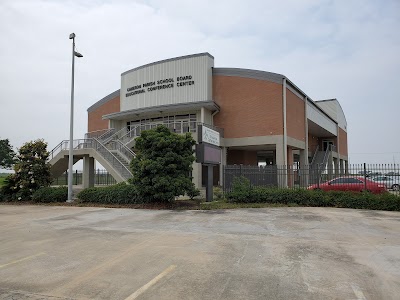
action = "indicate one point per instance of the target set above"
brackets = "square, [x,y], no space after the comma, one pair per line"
[7,155]
[163,164]
[31,172]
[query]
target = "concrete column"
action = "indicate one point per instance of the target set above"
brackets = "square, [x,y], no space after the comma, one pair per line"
[88,172]
[336,166]
[346,167]
[284,123]
[304,171]
[222,165]
[290,175]
[341,166]
[281,164]
[306,130]
[197,175]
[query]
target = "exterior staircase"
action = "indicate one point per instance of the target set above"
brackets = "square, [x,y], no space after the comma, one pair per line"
[319,163]
[114,156]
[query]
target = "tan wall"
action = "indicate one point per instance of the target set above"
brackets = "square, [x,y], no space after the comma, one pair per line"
[343,142]
[95,121]
[242,157]
[295,116]
[249,107]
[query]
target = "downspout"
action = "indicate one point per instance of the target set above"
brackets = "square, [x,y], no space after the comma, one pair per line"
[306,129]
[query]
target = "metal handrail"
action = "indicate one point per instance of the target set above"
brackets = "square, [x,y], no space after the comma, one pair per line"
[95,144]
[315,155]
[107,134]
[97,133]
[120,147]
[114,136]
[55,150]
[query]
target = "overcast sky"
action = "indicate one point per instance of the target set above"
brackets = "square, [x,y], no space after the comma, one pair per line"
[347,50]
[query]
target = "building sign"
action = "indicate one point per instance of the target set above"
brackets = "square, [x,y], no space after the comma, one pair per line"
[208,154]
[208,135]
[180,81]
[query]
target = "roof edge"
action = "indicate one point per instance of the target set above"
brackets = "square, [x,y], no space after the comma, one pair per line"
[168,60]
[104,100]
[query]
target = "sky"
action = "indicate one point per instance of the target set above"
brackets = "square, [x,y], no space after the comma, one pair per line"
[348,50]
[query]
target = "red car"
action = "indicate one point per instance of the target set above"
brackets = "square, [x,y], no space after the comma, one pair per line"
[354,184]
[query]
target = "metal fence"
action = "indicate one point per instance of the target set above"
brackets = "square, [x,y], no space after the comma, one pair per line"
[357,177]
[101,177]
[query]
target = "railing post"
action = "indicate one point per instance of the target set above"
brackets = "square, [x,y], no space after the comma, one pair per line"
[365,177]
[318,176]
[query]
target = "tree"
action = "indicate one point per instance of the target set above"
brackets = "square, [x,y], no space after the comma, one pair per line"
[163,164]
[7,155]
[31,171]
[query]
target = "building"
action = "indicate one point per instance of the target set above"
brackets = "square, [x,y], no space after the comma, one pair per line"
[265,119]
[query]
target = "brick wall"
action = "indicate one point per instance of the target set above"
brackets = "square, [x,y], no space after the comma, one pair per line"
[242,157]
[249,107]
[295,118]
[95,121]
[342,142]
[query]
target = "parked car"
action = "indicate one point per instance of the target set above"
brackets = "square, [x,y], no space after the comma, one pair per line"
[392,174]
[392,183]
[355,184]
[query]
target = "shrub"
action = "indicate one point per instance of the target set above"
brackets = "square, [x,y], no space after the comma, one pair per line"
[50,194]
[218,193]
[162,164]
[193,192]
[243,192]
[120,193]
[31,172]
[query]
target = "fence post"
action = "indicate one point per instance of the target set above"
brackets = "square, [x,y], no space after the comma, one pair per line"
[318,177]
[76,177]
[365,176]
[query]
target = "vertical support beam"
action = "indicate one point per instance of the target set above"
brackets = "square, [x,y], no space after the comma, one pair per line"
[289,167]
[336,166]
[304,171]
[284,123]
[202,115]
[209,187]
[222,165]
[341,166]
[88,172]
[306,131]
[281,164]
[346,167]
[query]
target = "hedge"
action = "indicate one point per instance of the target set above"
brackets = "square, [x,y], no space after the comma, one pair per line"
[243,192]
[50,194]
[120,193]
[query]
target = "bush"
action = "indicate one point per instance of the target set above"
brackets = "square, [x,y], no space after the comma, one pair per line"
[193,192]
[51,194]
[243,192]
[218,193]
[120,193]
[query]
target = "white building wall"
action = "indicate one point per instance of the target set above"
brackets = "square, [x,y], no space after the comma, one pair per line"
[322,120]
[185,80]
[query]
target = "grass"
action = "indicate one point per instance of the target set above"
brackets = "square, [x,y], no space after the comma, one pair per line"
[227,205]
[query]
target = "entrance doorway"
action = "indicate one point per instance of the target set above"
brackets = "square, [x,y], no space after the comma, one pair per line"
[326,143]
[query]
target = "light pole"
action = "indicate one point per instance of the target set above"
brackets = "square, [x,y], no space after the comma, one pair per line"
[71,123]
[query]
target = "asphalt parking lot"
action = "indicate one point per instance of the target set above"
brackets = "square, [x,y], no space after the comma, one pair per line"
[271,253]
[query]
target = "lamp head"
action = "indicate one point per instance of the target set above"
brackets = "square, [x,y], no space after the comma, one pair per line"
[77,54]
[72,36]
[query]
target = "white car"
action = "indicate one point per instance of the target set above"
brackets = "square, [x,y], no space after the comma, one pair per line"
[390,182]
